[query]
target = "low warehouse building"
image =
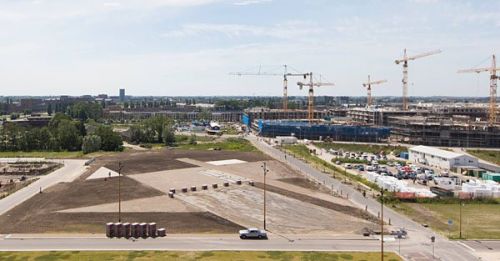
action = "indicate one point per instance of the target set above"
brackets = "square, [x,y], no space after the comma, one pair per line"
[439,158]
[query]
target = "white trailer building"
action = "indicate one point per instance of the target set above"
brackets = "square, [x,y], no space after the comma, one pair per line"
[439,158]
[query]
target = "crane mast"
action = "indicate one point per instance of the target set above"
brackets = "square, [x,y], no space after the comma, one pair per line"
[311,85]
[492,110]
[404,61]
[368,86]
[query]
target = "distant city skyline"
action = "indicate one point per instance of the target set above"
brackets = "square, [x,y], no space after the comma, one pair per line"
[188,47]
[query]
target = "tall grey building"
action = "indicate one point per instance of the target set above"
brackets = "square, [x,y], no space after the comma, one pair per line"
[122,95]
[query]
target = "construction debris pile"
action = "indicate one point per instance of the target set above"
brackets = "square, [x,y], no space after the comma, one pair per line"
[392,184]
[480,189]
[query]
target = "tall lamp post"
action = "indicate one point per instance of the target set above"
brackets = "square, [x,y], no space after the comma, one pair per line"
[264,167]
[382,224]
[460,226]
[120,166]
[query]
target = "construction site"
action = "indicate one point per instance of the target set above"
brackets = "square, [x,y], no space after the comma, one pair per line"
[16,174]
[468,125]
[188,192]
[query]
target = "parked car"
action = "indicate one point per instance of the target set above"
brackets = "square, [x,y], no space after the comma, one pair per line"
[253,233]
[348,166]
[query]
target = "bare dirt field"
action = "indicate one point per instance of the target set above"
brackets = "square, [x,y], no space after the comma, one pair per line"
[165,159]
[295,204]
[285,215]
[174,222]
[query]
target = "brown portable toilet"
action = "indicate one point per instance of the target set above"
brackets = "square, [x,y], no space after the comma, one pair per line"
[110,229]
[152,230]
[161,232]
[119,229]
[126,230]
[144,230]
[134,230]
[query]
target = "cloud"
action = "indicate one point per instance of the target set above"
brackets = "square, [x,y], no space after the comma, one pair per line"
[251,2]
[289,30]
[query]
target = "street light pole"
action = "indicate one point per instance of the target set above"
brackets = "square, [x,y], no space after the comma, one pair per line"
[460,226]
[120,166]
[264,167]
[382,224]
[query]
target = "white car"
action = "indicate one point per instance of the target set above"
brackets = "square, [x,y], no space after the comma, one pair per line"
[253,233]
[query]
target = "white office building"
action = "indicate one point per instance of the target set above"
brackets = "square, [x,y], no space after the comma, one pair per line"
[438,158]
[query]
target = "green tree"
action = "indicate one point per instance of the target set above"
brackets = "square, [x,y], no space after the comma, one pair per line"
[192,139]
[168,135]
[110,140]
[49,109]
[156,125]
[204,114]
[68,136]
[91,143]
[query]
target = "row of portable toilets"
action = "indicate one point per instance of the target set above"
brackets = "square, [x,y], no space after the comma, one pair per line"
[172,191]
[135,230]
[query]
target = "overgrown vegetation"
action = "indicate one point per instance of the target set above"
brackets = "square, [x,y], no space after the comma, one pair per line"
[230,144]
[480,220]
[488,155]
[349,160]
[203,256]
[302,151]
[157,129]
[368,148]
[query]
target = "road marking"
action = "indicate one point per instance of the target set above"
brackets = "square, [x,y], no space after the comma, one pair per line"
[466,246]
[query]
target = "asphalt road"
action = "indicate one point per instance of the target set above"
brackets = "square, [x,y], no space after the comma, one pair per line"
[419,236]
[202,242]
[71,170]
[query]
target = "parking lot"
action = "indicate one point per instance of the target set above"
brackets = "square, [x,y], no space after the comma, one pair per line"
[415,176]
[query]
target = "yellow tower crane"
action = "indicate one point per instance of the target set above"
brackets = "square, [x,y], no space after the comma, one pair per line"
[492,112]
[368,86]
[285,75]
[311,84]
[404,61]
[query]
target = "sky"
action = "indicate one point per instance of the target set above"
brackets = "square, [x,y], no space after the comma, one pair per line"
[189,47]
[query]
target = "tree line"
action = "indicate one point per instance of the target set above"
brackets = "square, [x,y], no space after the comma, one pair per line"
[75,130]
[157,129]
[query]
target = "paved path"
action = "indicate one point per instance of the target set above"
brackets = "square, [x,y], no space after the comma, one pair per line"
[70,171]
[132,146]
[419,236]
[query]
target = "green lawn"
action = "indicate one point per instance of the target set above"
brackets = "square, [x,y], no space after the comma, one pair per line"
[53,154]
[488,155]
[204,256]
[230,144]
[42,154]
[353,147]
[479,221]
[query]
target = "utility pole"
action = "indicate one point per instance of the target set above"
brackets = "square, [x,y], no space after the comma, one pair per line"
[382,224]
[120,166]
[264,167]
[460,223]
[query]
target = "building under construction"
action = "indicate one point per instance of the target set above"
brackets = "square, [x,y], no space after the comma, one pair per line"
[320,131]
[252,114]
[440,131]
